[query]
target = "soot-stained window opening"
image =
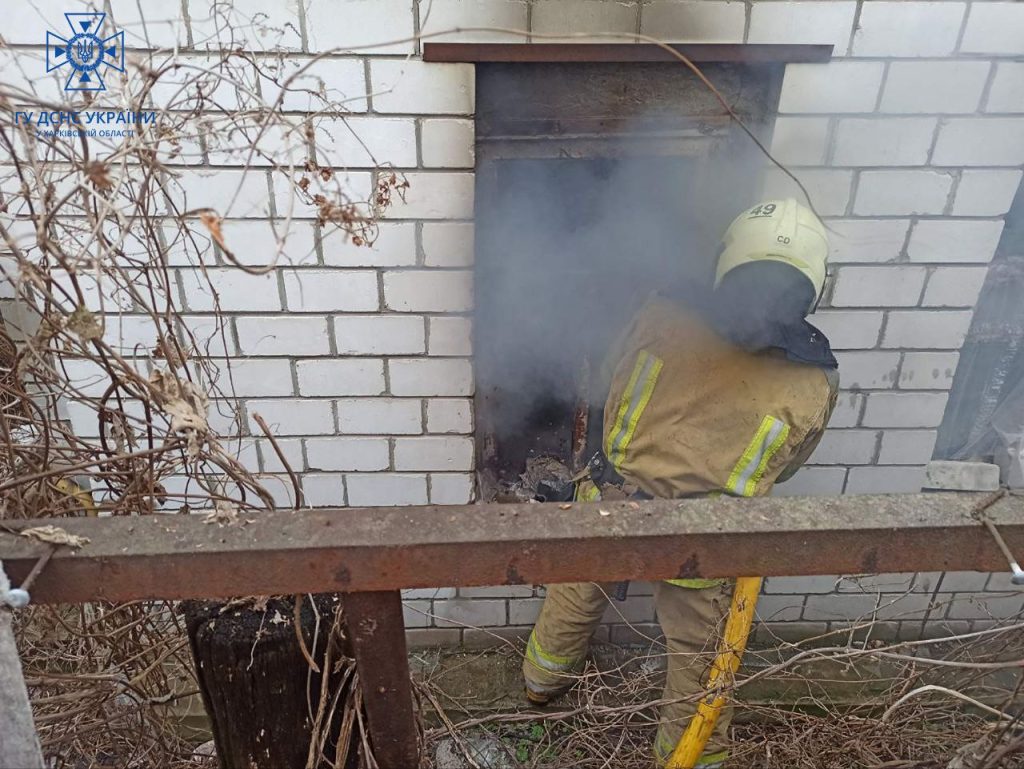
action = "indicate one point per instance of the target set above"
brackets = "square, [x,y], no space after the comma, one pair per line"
[596,185]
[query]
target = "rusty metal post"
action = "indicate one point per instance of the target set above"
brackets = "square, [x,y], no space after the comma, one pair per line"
[19,743]
[376,629]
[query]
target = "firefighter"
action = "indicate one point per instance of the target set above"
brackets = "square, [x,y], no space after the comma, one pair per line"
[723,396]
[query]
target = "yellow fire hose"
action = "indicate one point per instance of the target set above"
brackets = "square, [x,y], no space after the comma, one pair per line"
[727,662]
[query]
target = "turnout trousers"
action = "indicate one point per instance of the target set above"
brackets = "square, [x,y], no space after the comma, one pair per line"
[692,619]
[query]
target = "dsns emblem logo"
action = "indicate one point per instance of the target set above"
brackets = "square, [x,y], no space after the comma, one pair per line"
[86,52]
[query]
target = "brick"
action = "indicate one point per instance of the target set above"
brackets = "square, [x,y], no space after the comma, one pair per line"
[934,87]
[282,335]
[899,409]
[493,637]
[498,591]
[954,240]
[839,607]
[906,447]
[889,141]
[441,15]
[963,581]
[933,329]
[996,28]
[254,25]
[1000,581]
[849,329]
[344,183]
[429,290]
[416,613]
[430,638]
[954,286]
[452,453]
[257,243]
[840,86]
[380,416]
[347,454]
[365,142]
[449,415]
[636,608]
[987,141]
[800,585]
[867,240]
[876,583]
[255,377]
[774,633]
[360,24]
[926,581]
[907,29]
[524,612]
[451,488]
[813,482]
[471,612]
[429,593]
[828,188]
[380,334]
[846,447]
[868,370]
[323,489]
[338,83]
[331,290]
[232,194]
[928,370]
[573,17]
[912,606]
[393,246]
[430,377]
[340,377]
[889,286]
[410,85]
[986,193]
[803,22]
[1007,91]
[436,195]
[994,605]
[291,448]
[702,21]
[800,140]
[230,289]
[386,489]
[779,608]
[902,192]
[447,143]
[961,476]
[450,336]
[291,416]
[448,244]
[164,28]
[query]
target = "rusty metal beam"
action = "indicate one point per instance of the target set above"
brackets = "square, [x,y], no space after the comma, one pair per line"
[546,53]
[286,552]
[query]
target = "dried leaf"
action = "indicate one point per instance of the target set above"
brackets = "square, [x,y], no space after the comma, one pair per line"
[54,535]
[224,513]
[604,512]
[186,406]
[84,325]
[212,223]
[564,507]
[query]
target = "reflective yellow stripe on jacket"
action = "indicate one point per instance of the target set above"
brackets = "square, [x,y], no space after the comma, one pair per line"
[743,479]
[631,406]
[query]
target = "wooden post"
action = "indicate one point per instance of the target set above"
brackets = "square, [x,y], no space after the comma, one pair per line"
[19,743]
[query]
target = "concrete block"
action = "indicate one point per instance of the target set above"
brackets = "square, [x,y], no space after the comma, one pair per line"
[450,335]
[1007,92]
[954,240]
[380,416]
[576,17]
[449,415]
[994,28]
[954,286]
[836,87]
[903,409]
[228,289]
[428,290]
[451,488]
[380,334]
[988,192]
[347,454]
[829,188]
[803,22]
[448,244]
[961,476]
[337,377]
[442,15]
[908,29]
[849,329]
[282,335]
[889,286]
[934,87]
[927,329]
[989,141]
[884,480]
[867,240]
[887,193]
[779,608]
[360,26]
[410,85]
[447,143]
[323,489]
[435,195]
[801,585]
[928,370]
[386,489]
[800,140]
[813,482]
[906,447]
[331,290]
[394,246]
[451,453]
[846,447]
[868,370]
[469,612]
[430,376]
[365,142]
[292,416]
[883,141]
[700,21]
